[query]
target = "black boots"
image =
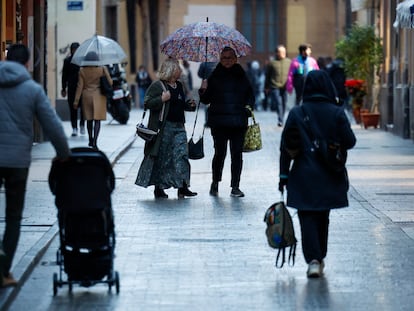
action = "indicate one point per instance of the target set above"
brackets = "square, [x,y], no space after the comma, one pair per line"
[214,189]
[185,192]
[181,192]
[159,193]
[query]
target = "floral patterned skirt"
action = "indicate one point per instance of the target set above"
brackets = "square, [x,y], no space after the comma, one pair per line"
[171,168]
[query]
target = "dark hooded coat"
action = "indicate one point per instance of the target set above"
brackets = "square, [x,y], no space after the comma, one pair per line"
[311,186]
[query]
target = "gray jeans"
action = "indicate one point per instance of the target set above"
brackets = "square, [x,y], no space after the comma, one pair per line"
[278,102]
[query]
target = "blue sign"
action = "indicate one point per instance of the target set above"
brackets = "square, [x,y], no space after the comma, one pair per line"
[74,5]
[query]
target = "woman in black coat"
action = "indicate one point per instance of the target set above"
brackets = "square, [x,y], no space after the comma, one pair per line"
[228,92]
[312,188]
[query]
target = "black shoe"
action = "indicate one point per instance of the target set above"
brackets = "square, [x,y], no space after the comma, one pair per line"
[236,192]
[185,192]
[214,189]
[160,194]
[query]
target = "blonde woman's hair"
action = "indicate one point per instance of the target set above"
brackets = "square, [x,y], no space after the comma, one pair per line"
[167,69]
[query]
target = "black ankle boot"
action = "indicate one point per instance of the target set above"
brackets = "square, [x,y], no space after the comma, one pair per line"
[214,189]
[185,192]
[159,193]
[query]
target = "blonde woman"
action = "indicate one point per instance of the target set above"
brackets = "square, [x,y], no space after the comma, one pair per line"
[166,163]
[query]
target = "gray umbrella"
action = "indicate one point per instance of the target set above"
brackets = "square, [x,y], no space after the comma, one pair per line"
[98,51]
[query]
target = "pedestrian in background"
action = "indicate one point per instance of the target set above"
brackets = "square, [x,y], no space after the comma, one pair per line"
[70,74]
[300,66]
[275,82]
[311,187]
[336,72]
[186,79]
[204,71]
[21,101]
[143,80]
[255,74]
[165,162]
[227,91]
[94,103]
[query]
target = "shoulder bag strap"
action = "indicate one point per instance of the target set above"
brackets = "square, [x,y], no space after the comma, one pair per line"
[308,126]
[195,122]
[162,110]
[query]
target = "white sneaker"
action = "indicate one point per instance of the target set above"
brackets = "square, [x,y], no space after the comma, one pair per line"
[82,130]
[75,132]
[314,269]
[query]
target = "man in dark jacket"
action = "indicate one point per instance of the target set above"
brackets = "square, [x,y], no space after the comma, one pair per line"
[70,74]
[313,189]
[227,91]
[21,100]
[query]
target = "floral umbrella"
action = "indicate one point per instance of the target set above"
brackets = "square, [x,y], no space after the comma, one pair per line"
[98,51]
[203,41]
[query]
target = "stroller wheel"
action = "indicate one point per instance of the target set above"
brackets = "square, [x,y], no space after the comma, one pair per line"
[55,284]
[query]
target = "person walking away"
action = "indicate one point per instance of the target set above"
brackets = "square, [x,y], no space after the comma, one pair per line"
[70,73]
[21,101]
[94,103]
[275,82]
[254,74]
[312,188]
[300,66]
[143,80]
[337,74]
[227,91]
[166,162]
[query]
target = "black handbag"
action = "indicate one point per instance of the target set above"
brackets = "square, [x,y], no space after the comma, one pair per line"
[196,149]
[105,86]
[144,131]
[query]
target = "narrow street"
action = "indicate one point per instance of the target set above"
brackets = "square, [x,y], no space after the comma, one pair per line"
[207,253]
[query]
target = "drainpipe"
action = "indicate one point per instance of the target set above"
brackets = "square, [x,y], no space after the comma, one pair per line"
[131,20]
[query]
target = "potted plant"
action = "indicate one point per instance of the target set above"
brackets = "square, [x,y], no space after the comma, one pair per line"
[356,90]
[361,50]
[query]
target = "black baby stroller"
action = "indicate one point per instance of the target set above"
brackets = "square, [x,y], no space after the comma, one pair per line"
[82,187]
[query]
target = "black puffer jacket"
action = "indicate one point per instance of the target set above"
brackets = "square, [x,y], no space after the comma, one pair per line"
[228,93]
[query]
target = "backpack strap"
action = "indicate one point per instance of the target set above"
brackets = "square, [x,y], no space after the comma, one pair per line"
[291,258]
[292,255]
[283,258]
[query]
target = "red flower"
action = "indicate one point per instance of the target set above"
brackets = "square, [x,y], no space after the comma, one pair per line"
[356,88]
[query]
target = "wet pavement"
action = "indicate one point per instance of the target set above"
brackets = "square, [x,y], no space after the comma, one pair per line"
[207,253]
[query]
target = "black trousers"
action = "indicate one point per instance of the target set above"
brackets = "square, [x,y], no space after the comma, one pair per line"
[221,137]
[314,227]
[14,180]
[74,112]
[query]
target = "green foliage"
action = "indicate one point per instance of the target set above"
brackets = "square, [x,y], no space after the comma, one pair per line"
[361,50]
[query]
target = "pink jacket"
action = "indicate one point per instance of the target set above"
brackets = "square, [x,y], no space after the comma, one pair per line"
[296,66]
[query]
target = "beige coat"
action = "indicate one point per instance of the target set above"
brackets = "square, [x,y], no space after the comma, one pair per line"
[93,102]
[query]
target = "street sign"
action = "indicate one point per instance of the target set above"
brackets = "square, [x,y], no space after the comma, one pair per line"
[74,5]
